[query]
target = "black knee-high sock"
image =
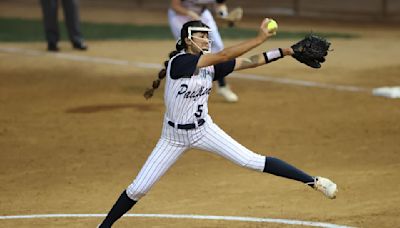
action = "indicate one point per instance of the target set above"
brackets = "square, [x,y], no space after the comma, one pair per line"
[123,204]
[280,168]
[221,82]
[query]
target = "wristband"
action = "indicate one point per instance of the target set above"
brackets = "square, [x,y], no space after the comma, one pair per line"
[273,55]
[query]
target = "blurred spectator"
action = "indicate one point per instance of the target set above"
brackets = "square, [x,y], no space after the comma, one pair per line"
[71,16]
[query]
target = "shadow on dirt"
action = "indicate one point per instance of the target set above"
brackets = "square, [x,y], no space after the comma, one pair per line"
[112,107]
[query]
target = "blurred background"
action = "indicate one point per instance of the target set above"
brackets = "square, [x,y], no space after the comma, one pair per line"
[354,13]
[388,10]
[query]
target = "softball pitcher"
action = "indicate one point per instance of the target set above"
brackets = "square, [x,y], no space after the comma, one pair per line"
[189,75]
[182,11]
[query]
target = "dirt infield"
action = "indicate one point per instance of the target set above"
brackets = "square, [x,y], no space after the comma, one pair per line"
[73,134]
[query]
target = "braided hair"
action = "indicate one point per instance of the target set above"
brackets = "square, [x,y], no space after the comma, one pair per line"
[161,74]
[180,45]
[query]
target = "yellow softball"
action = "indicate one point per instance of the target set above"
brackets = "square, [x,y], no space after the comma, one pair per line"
[272,25]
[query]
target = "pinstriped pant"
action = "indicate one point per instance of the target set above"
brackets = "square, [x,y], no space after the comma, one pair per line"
[174,142]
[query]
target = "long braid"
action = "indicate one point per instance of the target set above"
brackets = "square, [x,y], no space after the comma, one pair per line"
[156,83]
[161,75]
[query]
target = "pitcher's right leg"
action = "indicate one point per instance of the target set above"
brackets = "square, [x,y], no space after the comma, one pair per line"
[161,159]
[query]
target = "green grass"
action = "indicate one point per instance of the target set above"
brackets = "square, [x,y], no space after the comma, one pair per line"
[22,30]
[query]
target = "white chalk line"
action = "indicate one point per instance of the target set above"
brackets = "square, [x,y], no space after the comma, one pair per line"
[182,216]
[144,65]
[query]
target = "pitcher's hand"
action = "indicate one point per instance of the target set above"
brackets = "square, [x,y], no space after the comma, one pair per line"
[263,32]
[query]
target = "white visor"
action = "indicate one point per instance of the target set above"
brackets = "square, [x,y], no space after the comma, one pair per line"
[200,29]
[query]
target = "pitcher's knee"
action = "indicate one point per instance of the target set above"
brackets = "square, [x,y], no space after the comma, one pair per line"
[255,162]
[134,192]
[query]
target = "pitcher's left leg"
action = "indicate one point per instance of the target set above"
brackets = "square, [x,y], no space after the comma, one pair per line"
[217,141]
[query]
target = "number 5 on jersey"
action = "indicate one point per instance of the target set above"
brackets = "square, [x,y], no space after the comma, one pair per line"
[199,111]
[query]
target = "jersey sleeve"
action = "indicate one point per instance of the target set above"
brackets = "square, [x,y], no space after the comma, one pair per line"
[223,69]
[184,66]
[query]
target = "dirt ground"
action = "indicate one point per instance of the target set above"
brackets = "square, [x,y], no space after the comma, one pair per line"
[74,134]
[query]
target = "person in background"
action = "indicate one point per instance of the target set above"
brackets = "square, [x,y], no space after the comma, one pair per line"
[50,21]
[182,11]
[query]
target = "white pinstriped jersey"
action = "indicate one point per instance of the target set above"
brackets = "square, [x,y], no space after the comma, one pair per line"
[186,98]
